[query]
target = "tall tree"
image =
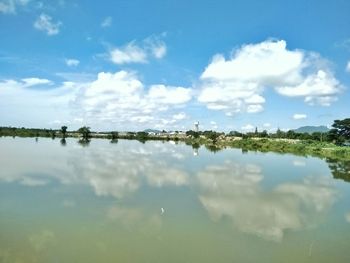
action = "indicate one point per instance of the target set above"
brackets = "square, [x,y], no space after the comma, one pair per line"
[64,131]
[85,132]
[340,131]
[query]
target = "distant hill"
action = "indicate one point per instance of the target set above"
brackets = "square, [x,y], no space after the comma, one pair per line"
[152,130]
[311,129]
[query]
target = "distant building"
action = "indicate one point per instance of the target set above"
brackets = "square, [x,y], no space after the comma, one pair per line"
[196,126]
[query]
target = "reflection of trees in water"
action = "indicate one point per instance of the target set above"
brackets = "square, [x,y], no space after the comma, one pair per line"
[339,169]
[63,142]
[195,146]
[114,141]
[212,148]
[84,142]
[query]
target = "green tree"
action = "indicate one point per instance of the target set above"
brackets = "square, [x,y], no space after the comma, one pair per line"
[64,131]
[142,136]
[280,134]
[212,135]
[235,133]
[115,135]
[85,132]
[340,131]
[264,134]
[194,134]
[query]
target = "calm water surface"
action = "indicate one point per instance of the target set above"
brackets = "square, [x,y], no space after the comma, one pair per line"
[161,202]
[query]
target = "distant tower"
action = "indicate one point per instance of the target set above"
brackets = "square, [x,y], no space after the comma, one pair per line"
[196,126]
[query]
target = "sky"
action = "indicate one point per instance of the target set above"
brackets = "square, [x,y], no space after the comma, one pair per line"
[165,64]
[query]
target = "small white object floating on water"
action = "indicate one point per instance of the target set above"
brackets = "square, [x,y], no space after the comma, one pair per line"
[162,210]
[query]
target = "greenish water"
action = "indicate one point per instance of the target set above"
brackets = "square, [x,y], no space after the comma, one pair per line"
[161,202]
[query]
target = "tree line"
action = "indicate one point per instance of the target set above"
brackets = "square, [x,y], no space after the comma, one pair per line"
[339,134]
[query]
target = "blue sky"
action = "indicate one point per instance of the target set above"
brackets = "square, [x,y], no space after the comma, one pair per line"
[130,65]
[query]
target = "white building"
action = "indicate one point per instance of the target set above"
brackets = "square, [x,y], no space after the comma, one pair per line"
[196,126]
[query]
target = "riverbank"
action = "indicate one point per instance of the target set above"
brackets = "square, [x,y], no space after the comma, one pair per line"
[303,148]
[277,145]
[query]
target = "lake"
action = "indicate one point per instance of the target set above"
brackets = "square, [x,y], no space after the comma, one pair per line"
[165,202]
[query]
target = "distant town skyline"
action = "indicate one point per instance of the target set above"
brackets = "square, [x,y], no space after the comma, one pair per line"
[133,65]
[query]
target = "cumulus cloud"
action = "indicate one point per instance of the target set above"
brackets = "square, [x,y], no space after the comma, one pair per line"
[107,22]
[237,84]
[10,6]
[299,116]
[110,100]
[169,95]
[122,98]
[138,53]
[45,23]
[72,62]
[319,88]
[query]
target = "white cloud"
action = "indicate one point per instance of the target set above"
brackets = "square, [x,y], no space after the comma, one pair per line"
[28,82]
[254,108]
[35,107]
[156,46]
[247,127]
[139,53]
[180,116]
[122,98]
[7,85]
[319,88]
[348,67]
[107,22]
[267,125]
[169,95]
[72,62]
[44,23]
[237,84]
[299,116]
[10,6]
[131,53]
[159,51]
[256,62]
[214,125]
[112,100]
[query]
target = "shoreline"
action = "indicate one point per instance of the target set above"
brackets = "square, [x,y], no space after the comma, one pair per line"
[321,150]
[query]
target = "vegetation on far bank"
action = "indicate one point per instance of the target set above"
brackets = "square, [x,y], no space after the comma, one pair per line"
[331,144]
